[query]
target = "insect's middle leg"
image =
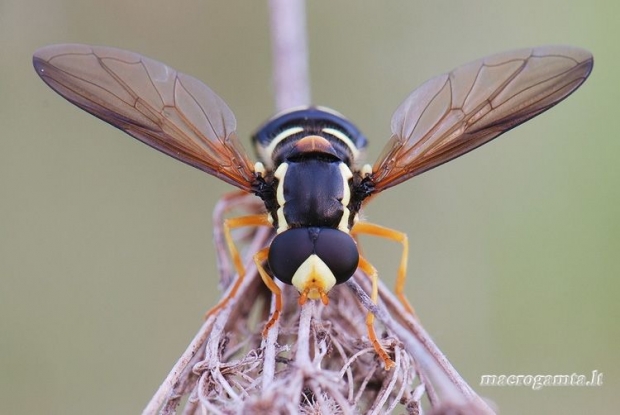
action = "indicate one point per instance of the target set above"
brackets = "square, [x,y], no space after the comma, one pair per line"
[397,236]
[229,224]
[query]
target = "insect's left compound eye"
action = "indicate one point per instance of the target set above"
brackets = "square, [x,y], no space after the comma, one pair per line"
[294,250]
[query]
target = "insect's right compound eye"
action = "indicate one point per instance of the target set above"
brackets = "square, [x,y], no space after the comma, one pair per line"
[288,251]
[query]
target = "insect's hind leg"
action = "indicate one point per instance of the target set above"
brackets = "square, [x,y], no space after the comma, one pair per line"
[229,224]
[397,236]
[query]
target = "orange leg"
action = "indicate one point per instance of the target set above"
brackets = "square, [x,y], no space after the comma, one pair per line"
[259,258]
[367,267]
[397,236]
[229,224]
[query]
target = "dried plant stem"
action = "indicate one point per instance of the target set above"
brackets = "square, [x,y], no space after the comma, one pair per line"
[290,53]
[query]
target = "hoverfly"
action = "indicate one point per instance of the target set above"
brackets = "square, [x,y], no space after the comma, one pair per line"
[309,175]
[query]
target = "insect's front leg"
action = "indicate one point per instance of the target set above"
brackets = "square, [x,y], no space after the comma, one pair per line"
[371,271]
[259,258]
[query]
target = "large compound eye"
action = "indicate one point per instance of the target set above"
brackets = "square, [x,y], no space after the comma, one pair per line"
[288,251]
[338,251]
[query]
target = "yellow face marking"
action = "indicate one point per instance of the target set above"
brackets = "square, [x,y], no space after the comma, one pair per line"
[313,279]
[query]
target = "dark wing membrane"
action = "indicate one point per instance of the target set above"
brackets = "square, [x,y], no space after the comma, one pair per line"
[167,110]
[456,112]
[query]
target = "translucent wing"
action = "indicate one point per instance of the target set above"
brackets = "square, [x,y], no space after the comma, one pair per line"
[456,112]
[167,110]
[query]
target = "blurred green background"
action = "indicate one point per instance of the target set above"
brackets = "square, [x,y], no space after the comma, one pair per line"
[106,259]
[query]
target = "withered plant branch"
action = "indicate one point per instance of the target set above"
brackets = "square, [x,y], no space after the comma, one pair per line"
[181,371]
